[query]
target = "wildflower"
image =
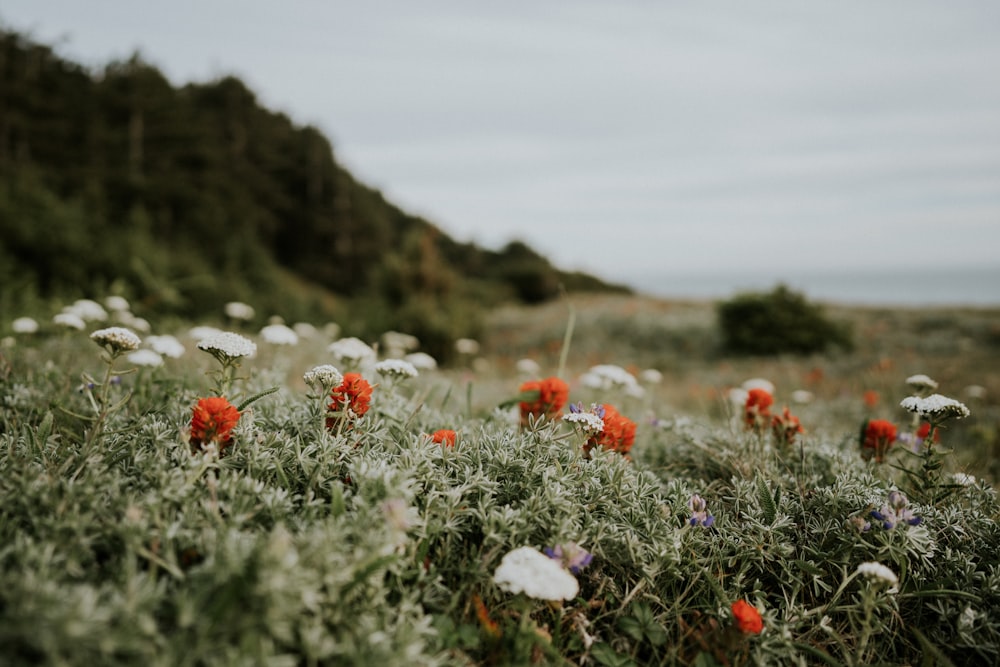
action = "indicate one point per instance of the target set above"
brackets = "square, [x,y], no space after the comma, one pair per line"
[279,334]
[116,340]
[322,378]
[618,434]
[570,555]
[351,399]
[963,479]
[699,512]
[491,627]
[352,351]
[877,572]
[548,398]
[757,409]
[896,512]
[118,304]
[591,422]
[227,346]
[870,398]
[528,367]
[212,421]
[651,376]
[444,437]
[758,383]
[802,396]
[859,524]
[608,377]
[238,310]
[396,368]
[167,345]
[785,427]
[747,618]
[24,325]
[935,408]
[304,330]
[975,392]
[877,436]
[526,570]
[396,343]
[201,333]
[145,358]
[421,361]
[923,431]
[921,384]
[467,346]
[69,320]
[88,310]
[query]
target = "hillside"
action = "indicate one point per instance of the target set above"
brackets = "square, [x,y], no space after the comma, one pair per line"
[183,198]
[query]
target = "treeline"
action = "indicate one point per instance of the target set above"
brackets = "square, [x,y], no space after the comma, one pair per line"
[183,198]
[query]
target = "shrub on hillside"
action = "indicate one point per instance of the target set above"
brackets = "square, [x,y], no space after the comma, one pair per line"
[781,321]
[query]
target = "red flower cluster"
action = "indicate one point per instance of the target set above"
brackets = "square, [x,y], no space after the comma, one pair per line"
[877,436]
[757,410]
[213,420]
[747,618]
[553,394]
[350,399]
[618,434]
[444,437]
[785,427]
[925,430]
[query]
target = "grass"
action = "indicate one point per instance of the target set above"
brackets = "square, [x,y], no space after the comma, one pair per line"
[374,545]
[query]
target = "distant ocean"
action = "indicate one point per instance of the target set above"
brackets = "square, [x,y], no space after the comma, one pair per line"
[976,286]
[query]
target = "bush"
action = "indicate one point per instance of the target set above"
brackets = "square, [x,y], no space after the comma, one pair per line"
[778,322]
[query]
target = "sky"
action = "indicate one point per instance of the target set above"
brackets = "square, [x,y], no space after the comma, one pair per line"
[627,139]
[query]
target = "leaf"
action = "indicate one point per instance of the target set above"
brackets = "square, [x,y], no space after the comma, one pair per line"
[245,404]
[605,655]
[767,502]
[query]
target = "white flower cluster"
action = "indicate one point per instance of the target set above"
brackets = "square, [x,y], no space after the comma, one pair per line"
[936,406]
[238,310]
[166,345]
[323,378]
[69,320]
[606,377]
[921,382]
[467,346]
[396,368]
[24,325]
[421,361]
[87,310]
[116,339]
[352,351]
[227,344]
[878,572]
[528,367]
[589,422]
[529,571]
[145,357]
[279,334]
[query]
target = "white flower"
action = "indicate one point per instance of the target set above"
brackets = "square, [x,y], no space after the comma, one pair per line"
[166,345]
[397,342]
[467,346]
[238,310]
[129,320]
[116,303]
[529,571]
[965,479]
[651,376]
[145,358]
[528,367]
[801,396]
[421,361]
[88,310]
[116,339]
[759,383]
[203,332]
[24,325]
[396,368]
[738,396]
[608,376]
[323,378]
[69,320]
[279,334]
[352,351]
[227,344]
[975,391]
[921,382]
[935,405]
[590,423]
[878,572]
[304,330]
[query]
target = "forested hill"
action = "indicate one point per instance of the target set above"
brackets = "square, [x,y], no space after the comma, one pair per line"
[182,198]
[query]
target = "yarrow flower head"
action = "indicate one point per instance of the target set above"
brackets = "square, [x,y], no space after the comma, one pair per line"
[609,377]
[747,618]
[444,437]
[228,347]
[699,512]
[421,361]
[145,358]
[543,398]
[116,340]
[896,512]
[69,321]
[878,573]
[397,369]
[877,437]
[618,434]
[921,384]
[352,351]
[590,422]
[212,421]
[279,334]
[87,310]
[757,409]
[322,378]
[349,401]
[570,555]
[24,325]
[935,408]
[527,570]
[238,310]
[166,345]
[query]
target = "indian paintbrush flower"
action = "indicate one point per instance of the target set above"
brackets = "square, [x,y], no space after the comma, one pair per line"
[444,437]
[349,401]
[212,421]
[877,436]
[757,409]
[543,398]
[618,434]
[747,618]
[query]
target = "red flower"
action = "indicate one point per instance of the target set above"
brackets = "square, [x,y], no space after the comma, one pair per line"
[553,394]
[747,617]
[785,427]
[870,398]
[444,437]
[756,411]
[877,436]
[351,398]
[618,434]
[212,420]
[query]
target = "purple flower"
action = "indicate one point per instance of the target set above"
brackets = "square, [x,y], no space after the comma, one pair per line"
[896,511]
[699,512]
[571,555]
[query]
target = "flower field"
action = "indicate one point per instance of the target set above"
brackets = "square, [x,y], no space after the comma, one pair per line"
[587,486]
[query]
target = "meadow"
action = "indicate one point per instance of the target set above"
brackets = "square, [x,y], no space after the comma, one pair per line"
[593,482]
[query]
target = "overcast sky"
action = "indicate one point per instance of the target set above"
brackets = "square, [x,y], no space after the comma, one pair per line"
[622,138]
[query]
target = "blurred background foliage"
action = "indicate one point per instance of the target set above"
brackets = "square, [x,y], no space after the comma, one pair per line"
[184,198]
